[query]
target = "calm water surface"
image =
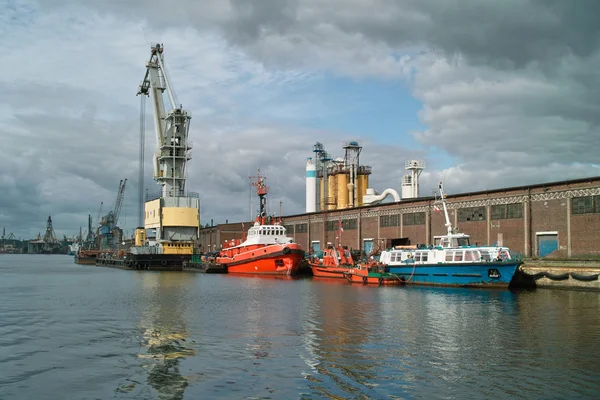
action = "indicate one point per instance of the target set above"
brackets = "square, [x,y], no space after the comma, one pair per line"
[70,331]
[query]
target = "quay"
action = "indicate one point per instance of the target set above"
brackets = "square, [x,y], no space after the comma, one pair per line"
[563,274]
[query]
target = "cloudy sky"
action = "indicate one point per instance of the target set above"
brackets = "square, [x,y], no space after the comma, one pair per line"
[489,93]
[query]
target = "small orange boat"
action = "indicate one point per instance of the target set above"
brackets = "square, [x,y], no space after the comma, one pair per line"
[372,274]
[336,261]
[266,248]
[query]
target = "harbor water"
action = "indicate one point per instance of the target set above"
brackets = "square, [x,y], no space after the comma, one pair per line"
[73,331]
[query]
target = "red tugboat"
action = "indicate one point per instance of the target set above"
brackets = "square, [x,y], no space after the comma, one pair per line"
[336,261]
[266,249]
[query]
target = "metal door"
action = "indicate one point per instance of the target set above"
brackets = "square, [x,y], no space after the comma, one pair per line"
[316,246]
[547,243]
[368,246]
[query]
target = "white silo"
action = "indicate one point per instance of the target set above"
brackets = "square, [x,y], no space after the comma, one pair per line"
[410,183]
[311,185]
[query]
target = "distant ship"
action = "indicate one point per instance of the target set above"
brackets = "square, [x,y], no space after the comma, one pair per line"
[73,248]
[267,249]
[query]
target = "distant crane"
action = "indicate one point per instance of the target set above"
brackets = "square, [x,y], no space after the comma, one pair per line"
[108,224]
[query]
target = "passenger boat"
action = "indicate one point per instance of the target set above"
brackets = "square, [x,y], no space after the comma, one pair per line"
[372,274]
[335,262]
[452,261]
[266,248]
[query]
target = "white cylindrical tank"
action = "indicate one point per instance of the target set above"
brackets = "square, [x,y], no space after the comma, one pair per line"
[311,186]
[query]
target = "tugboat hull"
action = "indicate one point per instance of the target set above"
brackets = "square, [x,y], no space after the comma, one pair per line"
[273,262]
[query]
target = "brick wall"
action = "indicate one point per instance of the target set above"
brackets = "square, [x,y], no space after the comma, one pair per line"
[547,214]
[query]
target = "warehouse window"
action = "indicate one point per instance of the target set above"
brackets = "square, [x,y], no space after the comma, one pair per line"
[413,219]
[351,224]
[507,211]
[389,220]
[586,205]
[289,229]
[332,225]
[346,224]
[301,228]
[471,214]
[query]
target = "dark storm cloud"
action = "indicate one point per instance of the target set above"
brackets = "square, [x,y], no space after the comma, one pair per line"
[508,91]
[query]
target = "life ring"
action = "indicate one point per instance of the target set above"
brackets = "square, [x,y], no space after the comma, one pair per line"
[286,250]
[163,262]
[364,279]
[380,280]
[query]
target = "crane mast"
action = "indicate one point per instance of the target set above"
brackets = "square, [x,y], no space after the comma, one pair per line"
[171,219]
[171,127]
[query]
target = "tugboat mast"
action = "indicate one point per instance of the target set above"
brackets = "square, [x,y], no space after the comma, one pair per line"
[261,189]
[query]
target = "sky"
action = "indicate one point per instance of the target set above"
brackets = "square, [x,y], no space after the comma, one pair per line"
[488,93]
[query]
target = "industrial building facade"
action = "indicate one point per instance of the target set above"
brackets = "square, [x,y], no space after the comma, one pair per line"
[557,219]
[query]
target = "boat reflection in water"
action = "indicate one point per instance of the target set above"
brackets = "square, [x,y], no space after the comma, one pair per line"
[164,342]
[339,324]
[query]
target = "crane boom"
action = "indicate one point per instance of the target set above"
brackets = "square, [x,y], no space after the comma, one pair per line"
[171,128]
[119,201]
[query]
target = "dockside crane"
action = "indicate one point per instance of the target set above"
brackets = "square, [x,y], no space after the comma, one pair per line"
[174,232]
[171,128]
[108,224]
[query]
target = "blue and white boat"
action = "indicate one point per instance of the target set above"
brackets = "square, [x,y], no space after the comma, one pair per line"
[452,261]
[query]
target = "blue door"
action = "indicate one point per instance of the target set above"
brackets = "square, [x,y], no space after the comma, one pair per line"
[547,244]
[368,246]
[316,246]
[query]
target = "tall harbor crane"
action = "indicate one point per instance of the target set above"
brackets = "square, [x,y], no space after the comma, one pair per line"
[171,218]
[171,128]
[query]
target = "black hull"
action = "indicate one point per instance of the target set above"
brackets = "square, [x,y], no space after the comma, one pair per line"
[208,268]
[148,262]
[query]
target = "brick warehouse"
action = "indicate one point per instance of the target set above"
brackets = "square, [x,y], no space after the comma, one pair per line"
[557,219]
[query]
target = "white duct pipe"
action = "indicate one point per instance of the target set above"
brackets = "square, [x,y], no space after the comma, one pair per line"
[372,197]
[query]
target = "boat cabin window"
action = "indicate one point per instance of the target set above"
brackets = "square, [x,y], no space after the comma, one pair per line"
[458,256]
[471,255]
[485,255]
[449,256]
[417,257]
[424,257]
[393,257]
[463,242]
[445,242]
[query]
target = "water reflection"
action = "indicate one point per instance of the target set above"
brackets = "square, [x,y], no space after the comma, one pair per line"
[163,332]
[340,323]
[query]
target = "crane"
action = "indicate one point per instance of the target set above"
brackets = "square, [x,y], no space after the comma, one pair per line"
[171,219]
[171,128]
[110,220]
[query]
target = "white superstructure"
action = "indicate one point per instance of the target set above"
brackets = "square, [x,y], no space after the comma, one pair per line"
[263,235]
[410,183]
